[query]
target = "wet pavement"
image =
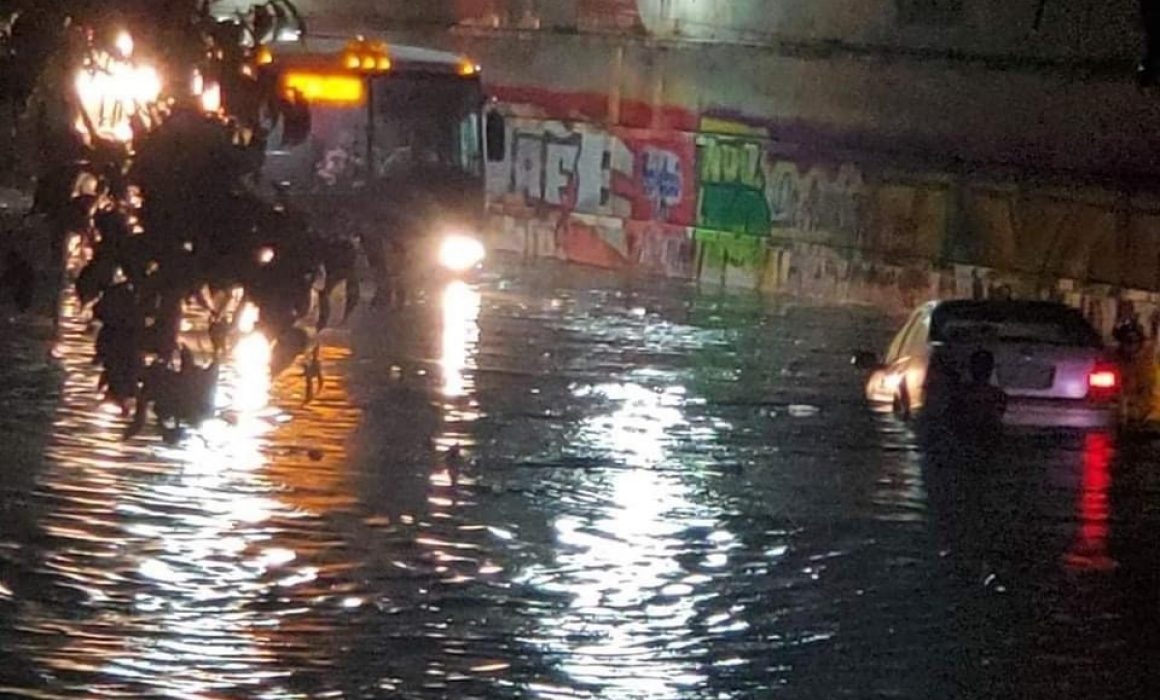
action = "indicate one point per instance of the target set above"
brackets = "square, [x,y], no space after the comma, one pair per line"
[659,492]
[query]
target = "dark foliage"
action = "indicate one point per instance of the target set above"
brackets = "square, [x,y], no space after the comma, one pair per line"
[176,216]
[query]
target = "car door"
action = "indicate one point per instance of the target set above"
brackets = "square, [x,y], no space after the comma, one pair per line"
[905,363]
[883,384]
[916,352]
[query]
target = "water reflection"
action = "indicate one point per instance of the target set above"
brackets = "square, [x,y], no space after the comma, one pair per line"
[160,561]
[1090,551]
[460,305]
[625,517]
[623,562]
[452,557]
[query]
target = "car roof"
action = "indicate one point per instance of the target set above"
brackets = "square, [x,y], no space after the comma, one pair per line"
[999,307]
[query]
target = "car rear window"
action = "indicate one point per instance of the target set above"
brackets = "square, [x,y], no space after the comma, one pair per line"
[1027,322]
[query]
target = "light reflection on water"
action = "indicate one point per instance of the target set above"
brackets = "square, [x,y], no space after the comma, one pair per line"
[558,492]
[631,601]
[167,552]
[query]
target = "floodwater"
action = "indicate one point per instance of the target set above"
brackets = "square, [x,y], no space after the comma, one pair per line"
[660,492]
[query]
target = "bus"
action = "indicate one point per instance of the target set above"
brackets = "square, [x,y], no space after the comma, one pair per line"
[394,153]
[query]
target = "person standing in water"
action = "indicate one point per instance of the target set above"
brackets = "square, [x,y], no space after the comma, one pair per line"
[982,404]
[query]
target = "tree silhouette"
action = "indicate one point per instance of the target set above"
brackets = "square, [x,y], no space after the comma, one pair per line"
[171,214]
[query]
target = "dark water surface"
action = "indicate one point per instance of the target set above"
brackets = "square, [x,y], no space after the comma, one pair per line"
[663,493]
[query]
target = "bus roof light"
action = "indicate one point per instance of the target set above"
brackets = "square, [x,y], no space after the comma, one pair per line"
[364,55]
[325,88]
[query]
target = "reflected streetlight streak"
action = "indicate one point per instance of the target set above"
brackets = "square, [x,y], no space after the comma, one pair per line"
[459,343]
[460,306]
[197,536]
[631,600]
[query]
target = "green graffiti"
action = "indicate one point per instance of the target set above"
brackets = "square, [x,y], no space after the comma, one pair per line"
[732,186]
[727,249]
[734,208]
[731,162]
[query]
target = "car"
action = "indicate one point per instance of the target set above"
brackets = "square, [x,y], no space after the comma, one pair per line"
[1051,363]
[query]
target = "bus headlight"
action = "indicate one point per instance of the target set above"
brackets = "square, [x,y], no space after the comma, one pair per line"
[460,253]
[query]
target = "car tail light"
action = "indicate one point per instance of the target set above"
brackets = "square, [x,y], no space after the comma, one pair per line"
[1104,381]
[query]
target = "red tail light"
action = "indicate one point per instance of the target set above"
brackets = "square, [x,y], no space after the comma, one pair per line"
[1104,381]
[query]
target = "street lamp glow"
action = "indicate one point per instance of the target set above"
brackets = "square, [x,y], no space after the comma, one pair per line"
[248,318]
[124,44]
[112,89]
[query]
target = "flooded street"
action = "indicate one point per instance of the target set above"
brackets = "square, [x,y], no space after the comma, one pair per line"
[556,483]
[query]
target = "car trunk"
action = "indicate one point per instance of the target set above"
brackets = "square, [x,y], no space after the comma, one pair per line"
[1033,370]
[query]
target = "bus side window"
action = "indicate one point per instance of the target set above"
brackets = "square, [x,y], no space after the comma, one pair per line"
[496,137]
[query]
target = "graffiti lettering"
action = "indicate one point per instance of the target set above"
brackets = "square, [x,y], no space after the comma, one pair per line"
[732,186]
[545,167]
[820,199]
[661,180]
[629,174]
[730,162]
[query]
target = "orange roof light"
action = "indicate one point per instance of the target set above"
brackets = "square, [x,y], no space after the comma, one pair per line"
[325,88]
[467,67]
[364,55]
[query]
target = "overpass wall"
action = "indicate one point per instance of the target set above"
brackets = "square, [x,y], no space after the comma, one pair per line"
[885,150]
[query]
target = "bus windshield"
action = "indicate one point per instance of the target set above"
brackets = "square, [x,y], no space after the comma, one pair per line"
[425,124]
[425,120]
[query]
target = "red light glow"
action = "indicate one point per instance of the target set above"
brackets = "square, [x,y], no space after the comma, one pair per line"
[1104,379]
[1089,552]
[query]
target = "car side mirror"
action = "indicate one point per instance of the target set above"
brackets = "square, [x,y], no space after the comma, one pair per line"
[865,360]
[496,137]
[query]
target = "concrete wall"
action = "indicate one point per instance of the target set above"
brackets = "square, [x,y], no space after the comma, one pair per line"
[880,150]
[737,209]
[1078,29]
[981,82]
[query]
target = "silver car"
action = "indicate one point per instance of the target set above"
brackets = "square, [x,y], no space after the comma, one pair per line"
[1050,362]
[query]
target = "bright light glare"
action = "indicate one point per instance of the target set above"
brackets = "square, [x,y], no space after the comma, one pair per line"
[892,381]
[252,364]
[460,253]
[266,255]
[248,318]
[251,357]
[113,91]
[125,44]
[211,98]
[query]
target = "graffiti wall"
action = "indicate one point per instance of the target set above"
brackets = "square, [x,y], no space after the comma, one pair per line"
[727,204]
[616,198]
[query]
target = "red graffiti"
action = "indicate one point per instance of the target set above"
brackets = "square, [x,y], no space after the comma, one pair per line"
[662,185]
